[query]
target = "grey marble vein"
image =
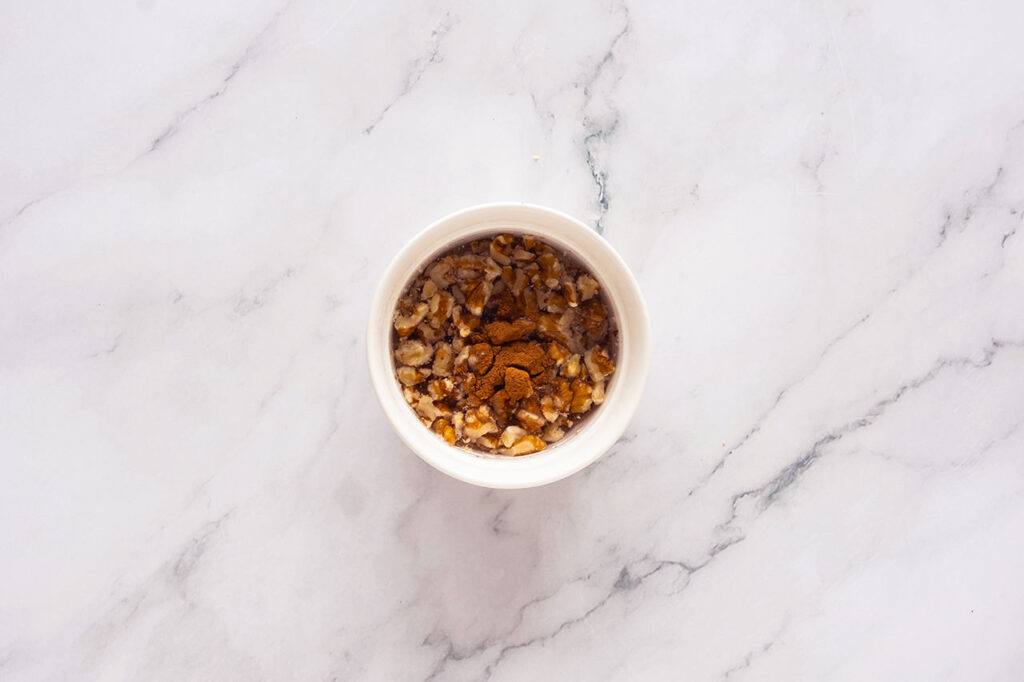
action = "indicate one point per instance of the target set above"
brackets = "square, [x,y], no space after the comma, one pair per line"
[247,55]
[768,493]
[419,66]
[600,126]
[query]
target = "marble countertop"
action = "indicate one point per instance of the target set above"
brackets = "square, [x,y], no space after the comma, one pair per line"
[821,201]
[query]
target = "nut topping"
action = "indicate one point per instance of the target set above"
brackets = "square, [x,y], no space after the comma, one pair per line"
[503,345]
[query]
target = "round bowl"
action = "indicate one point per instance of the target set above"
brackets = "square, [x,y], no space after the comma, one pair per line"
[588,440]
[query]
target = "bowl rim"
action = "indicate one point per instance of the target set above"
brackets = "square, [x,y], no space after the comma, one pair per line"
[588,441]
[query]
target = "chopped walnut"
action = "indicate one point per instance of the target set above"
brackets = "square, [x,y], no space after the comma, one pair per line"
[522,255]
[558,353]
[410,376]
[491,270]
[569,292]
[581,397]
[552,434]
[599,365]
[548,409]
[527,445]
[499,249]
[439,389]
[413,353]
[443,359]
[405,324]
[427,408]
[503,345]
[479,422]
[477,294]
[447,431]
[511,435]
[442,273]
[429,334]
[441,304]
[428,290]
[531,420]
[465,322]
[488,442]
[587,286]
[551,269]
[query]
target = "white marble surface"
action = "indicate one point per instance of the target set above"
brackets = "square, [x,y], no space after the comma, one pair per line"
[822,202]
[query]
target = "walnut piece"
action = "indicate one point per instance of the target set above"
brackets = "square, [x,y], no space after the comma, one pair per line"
[527,445]
[587,287]
[443,359]
[410,376]
[599,365]
[413,353]
[479,422]
[405,324]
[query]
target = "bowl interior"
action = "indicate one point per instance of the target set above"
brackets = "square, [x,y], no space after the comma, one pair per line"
[482,231]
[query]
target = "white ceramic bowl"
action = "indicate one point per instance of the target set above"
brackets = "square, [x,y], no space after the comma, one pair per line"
[584,443]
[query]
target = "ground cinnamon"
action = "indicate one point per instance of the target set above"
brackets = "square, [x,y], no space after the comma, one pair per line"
[503,332]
